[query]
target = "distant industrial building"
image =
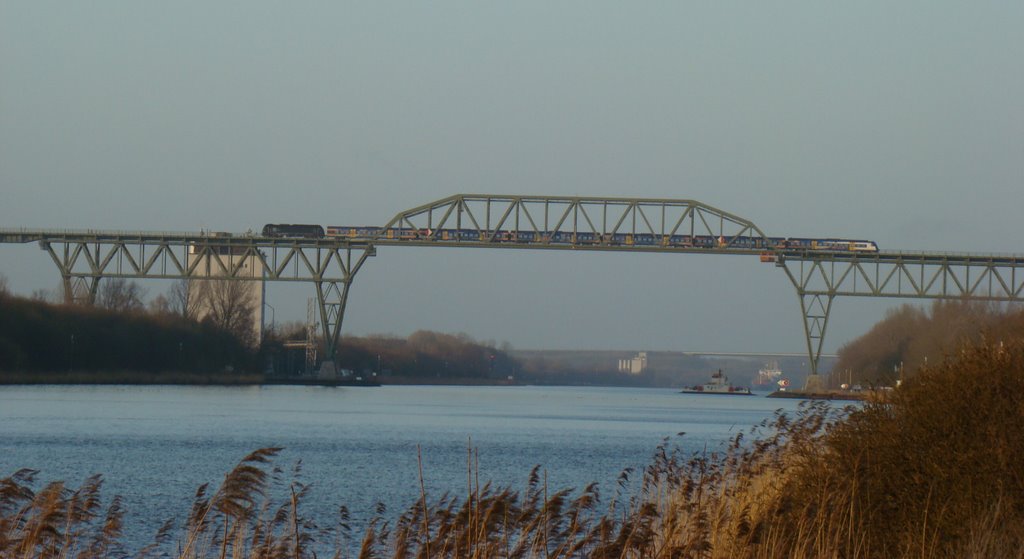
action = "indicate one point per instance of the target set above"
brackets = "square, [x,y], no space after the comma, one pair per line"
[634,366]
[232,301]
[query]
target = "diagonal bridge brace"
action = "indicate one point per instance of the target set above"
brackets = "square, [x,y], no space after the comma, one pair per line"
[332,298]
[815,307]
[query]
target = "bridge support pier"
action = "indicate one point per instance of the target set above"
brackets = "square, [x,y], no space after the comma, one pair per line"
[79,287]
[332,298]
[815,307]
[332,266]
[80,290]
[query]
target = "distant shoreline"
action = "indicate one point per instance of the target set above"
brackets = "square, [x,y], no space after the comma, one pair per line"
[830,395]
[226,379]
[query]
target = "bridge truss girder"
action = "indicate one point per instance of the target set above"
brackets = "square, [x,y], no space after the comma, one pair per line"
[496,219]
[237,258]
[84,258]
[912,276]
[820,278]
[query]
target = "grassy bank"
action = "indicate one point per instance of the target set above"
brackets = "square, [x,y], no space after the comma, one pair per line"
[934,472]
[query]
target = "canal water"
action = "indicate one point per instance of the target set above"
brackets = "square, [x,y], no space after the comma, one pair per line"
[357,447]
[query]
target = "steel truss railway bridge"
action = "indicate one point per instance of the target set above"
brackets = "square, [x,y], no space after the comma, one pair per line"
[331,263]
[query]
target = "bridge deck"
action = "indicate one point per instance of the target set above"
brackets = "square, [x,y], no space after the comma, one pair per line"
[533,223]
[179,238]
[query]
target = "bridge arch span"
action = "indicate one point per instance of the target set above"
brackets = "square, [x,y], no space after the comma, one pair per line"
[599,219]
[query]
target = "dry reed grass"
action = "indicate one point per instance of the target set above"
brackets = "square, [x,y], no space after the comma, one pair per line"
[934,472]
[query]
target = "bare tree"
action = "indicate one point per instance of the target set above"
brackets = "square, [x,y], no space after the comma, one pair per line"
[160,305]
[183,299]
[119,294]
[4,289]
[290,330]
[228,304]
[44,295]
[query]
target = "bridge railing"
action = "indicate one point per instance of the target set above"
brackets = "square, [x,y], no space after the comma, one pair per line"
[910,256]
[27,234]
[954,254]
[27,231]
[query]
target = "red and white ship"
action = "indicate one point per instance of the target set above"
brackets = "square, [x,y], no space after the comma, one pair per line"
[719,384]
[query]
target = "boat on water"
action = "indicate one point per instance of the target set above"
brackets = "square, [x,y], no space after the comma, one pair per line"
[768,376]
[719,384]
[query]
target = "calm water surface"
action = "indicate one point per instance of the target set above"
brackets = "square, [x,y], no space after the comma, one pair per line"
[357,446]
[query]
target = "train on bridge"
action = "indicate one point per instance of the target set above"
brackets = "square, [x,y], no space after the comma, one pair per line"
[305,231]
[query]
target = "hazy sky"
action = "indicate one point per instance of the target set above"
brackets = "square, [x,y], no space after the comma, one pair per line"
[901,122]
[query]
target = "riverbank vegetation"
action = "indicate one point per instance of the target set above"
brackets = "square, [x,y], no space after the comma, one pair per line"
[910,337]
[426,356]
[44,342]
[204,332]
[122,340]
[934,472]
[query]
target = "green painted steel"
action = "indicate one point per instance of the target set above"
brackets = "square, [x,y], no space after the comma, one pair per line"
[491,216]
[85,256]
[188,256]
[820,278]
[908,275]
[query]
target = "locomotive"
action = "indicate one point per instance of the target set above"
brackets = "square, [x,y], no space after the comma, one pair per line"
[297,231]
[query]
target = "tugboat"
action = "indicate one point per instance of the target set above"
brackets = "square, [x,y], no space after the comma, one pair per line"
[719,384]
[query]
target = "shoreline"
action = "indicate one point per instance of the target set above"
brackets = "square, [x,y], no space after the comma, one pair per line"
[842,396]
[229,379]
